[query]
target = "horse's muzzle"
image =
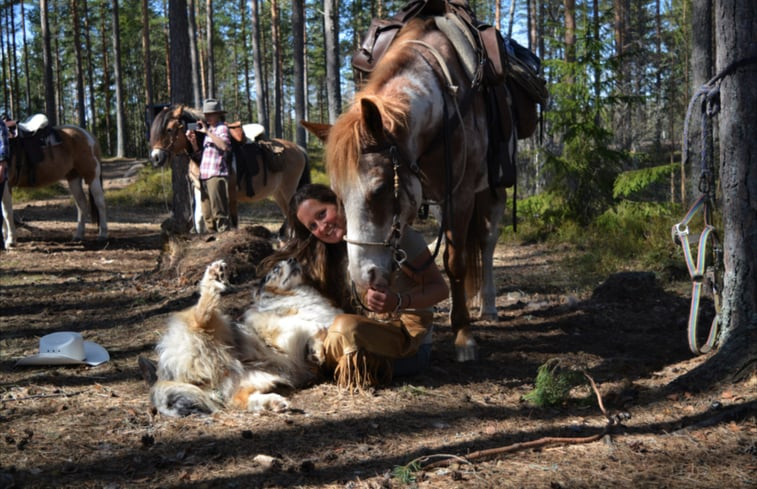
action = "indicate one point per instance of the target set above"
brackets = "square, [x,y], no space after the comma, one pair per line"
[158,157]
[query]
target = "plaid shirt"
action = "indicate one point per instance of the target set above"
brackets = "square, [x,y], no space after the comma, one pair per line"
[213,163]
[4,149]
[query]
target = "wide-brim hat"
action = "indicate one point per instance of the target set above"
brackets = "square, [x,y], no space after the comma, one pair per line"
[212,106]
[66,348]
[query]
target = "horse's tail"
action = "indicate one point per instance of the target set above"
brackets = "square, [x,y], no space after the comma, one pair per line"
[179,399]
[477,231]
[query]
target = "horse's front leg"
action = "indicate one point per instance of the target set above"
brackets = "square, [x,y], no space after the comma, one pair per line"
[8,227]
[466,348]
[77,190]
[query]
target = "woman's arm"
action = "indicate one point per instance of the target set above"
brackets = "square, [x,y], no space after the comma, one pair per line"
[430,288]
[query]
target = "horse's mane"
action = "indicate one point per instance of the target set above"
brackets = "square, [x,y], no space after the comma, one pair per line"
[344,140]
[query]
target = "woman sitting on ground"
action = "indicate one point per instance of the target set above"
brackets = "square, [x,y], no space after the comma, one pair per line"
[394,335]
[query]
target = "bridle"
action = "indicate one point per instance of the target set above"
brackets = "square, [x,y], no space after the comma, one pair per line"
[172,136]
[392,241]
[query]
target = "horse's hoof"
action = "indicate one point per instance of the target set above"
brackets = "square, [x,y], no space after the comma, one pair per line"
[467,353]
[488,316]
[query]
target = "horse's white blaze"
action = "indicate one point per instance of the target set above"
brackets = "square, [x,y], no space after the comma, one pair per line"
[368,264]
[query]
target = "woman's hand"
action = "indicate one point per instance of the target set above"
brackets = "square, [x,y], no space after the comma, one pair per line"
[381,300]
[192,138]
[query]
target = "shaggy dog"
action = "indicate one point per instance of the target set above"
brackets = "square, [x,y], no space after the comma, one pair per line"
[207,362]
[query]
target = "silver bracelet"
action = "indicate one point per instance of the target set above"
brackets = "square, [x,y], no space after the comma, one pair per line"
[399,302]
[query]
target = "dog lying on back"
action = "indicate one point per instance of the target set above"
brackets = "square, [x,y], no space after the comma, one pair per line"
[206,362]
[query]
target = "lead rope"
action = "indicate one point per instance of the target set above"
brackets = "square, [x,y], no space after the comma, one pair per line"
[702,272]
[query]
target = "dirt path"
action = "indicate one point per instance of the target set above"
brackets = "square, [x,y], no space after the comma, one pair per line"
[94,427]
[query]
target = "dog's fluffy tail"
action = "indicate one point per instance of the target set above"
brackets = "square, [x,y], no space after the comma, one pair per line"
[179,399]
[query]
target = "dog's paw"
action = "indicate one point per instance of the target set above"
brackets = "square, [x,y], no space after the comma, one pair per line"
[216,277]
[315,351]
[267,402]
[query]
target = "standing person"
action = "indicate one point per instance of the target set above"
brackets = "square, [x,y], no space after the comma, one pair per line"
[394,335]
[214,167]
[5,156]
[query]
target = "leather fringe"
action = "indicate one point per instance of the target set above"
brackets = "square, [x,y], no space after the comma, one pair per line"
[360,370]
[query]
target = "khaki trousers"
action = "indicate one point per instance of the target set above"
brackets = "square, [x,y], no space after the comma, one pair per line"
[217,189]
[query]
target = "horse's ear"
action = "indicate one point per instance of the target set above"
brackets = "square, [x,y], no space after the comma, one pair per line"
[320,130]
[372,119]
[177,111]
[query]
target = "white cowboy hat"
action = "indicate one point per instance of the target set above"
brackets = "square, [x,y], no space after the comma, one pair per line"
[66,348]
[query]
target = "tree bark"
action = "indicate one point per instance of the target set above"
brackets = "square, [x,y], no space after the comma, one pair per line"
[120,116]
[90,78]
[106,79]
[262,104]
[211,78]
[246,64]
[194,57]
[147,65]
[702,61]
[331,33]
[181,93]
[735,360]
[736,23]
[82,117]
[47,61]
[277,71]
[298,35]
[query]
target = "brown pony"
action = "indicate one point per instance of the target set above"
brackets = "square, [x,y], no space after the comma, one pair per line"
[418,131]
[75,156]
[168,137]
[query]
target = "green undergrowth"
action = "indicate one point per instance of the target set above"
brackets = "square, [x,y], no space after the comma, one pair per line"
[629,236]
[28,194]
[554,384]
[151,187]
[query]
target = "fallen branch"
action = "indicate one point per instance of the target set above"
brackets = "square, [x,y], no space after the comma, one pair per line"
[541,442]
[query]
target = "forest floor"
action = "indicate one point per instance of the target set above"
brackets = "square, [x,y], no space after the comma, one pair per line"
[81,426]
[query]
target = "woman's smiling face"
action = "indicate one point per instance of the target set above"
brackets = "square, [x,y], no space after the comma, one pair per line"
[323,219]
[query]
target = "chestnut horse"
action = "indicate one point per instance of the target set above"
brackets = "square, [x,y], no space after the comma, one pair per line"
[75,156]
[168,137]
[418,130]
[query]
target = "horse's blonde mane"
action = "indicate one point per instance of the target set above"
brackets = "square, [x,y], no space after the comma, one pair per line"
[346,136]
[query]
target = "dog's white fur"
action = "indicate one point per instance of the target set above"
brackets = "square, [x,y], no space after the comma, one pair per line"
[207,362]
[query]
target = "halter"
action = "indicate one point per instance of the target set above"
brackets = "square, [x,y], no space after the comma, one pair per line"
[395,233]
[172,138]
[399,256]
